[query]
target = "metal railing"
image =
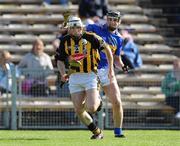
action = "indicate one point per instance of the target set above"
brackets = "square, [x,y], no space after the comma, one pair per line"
[40,103]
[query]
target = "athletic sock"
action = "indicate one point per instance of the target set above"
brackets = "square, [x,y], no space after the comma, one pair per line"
[94,129]
[118,131]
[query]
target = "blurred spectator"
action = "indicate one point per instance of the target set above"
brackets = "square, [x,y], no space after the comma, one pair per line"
[130,53]
[48,2]
[37,65]
[6,68]
[171,87]
[37,58]
[92,11]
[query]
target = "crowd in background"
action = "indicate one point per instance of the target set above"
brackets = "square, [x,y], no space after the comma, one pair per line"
[91,12]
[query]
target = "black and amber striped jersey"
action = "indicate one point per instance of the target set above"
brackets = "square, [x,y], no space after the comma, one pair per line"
[82,53]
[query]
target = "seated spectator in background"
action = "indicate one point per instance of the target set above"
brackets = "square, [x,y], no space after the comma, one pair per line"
[6,68]
[48,2]
[171,87]
[37,65]
[130,53]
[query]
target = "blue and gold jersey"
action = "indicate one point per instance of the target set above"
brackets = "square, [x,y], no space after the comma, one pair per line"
[113,40]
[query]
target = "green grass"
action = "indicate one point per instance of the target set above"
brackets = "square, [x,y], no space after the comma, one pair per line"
[81,138]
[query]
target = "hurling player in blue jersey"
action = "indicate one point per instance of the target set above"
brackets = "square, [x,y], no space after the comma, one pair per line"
[111,36]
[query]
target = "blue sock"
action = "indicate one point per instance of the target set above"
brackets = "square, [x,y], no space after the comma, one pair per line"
[118,131]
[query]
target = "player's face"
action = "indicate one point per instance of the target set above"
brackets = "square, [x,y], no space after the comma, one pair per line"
[75,31]
[113,23]
[70,31]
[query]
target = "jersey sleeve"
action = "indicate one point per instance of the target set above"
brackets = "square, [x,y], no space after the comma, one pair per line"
[98,42]
[60,52]
[90,28]
[93,28]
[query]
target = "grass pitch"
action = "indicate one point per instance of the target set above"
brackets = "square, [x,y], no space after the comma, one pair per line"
[82,138]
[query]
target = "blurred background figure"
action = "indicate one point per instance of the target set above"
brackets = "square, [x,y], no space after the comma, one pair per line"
[6,68]
[37,58]
[130,53]
[171,87]
[61,2]
[37,66]
[92,11]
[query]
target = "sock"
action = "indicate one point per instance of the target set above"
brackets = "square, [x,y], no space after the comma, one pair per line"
[95,130]
[118,131]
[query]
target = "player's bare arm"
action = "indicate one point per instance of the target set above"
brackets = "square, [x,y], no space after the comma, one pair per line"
[109,55]
[61,68]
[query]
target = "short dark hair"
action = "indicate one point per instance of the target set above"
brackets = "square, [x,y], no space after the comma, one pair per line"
[115,14]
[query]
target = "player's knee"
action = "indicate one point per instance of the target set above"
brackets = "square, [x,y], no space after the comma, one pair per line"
[78,111]
[91,108]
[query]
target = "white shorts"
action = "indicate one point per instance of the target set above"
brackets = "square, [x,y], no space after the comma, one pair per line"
[82,81]
[103,76]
